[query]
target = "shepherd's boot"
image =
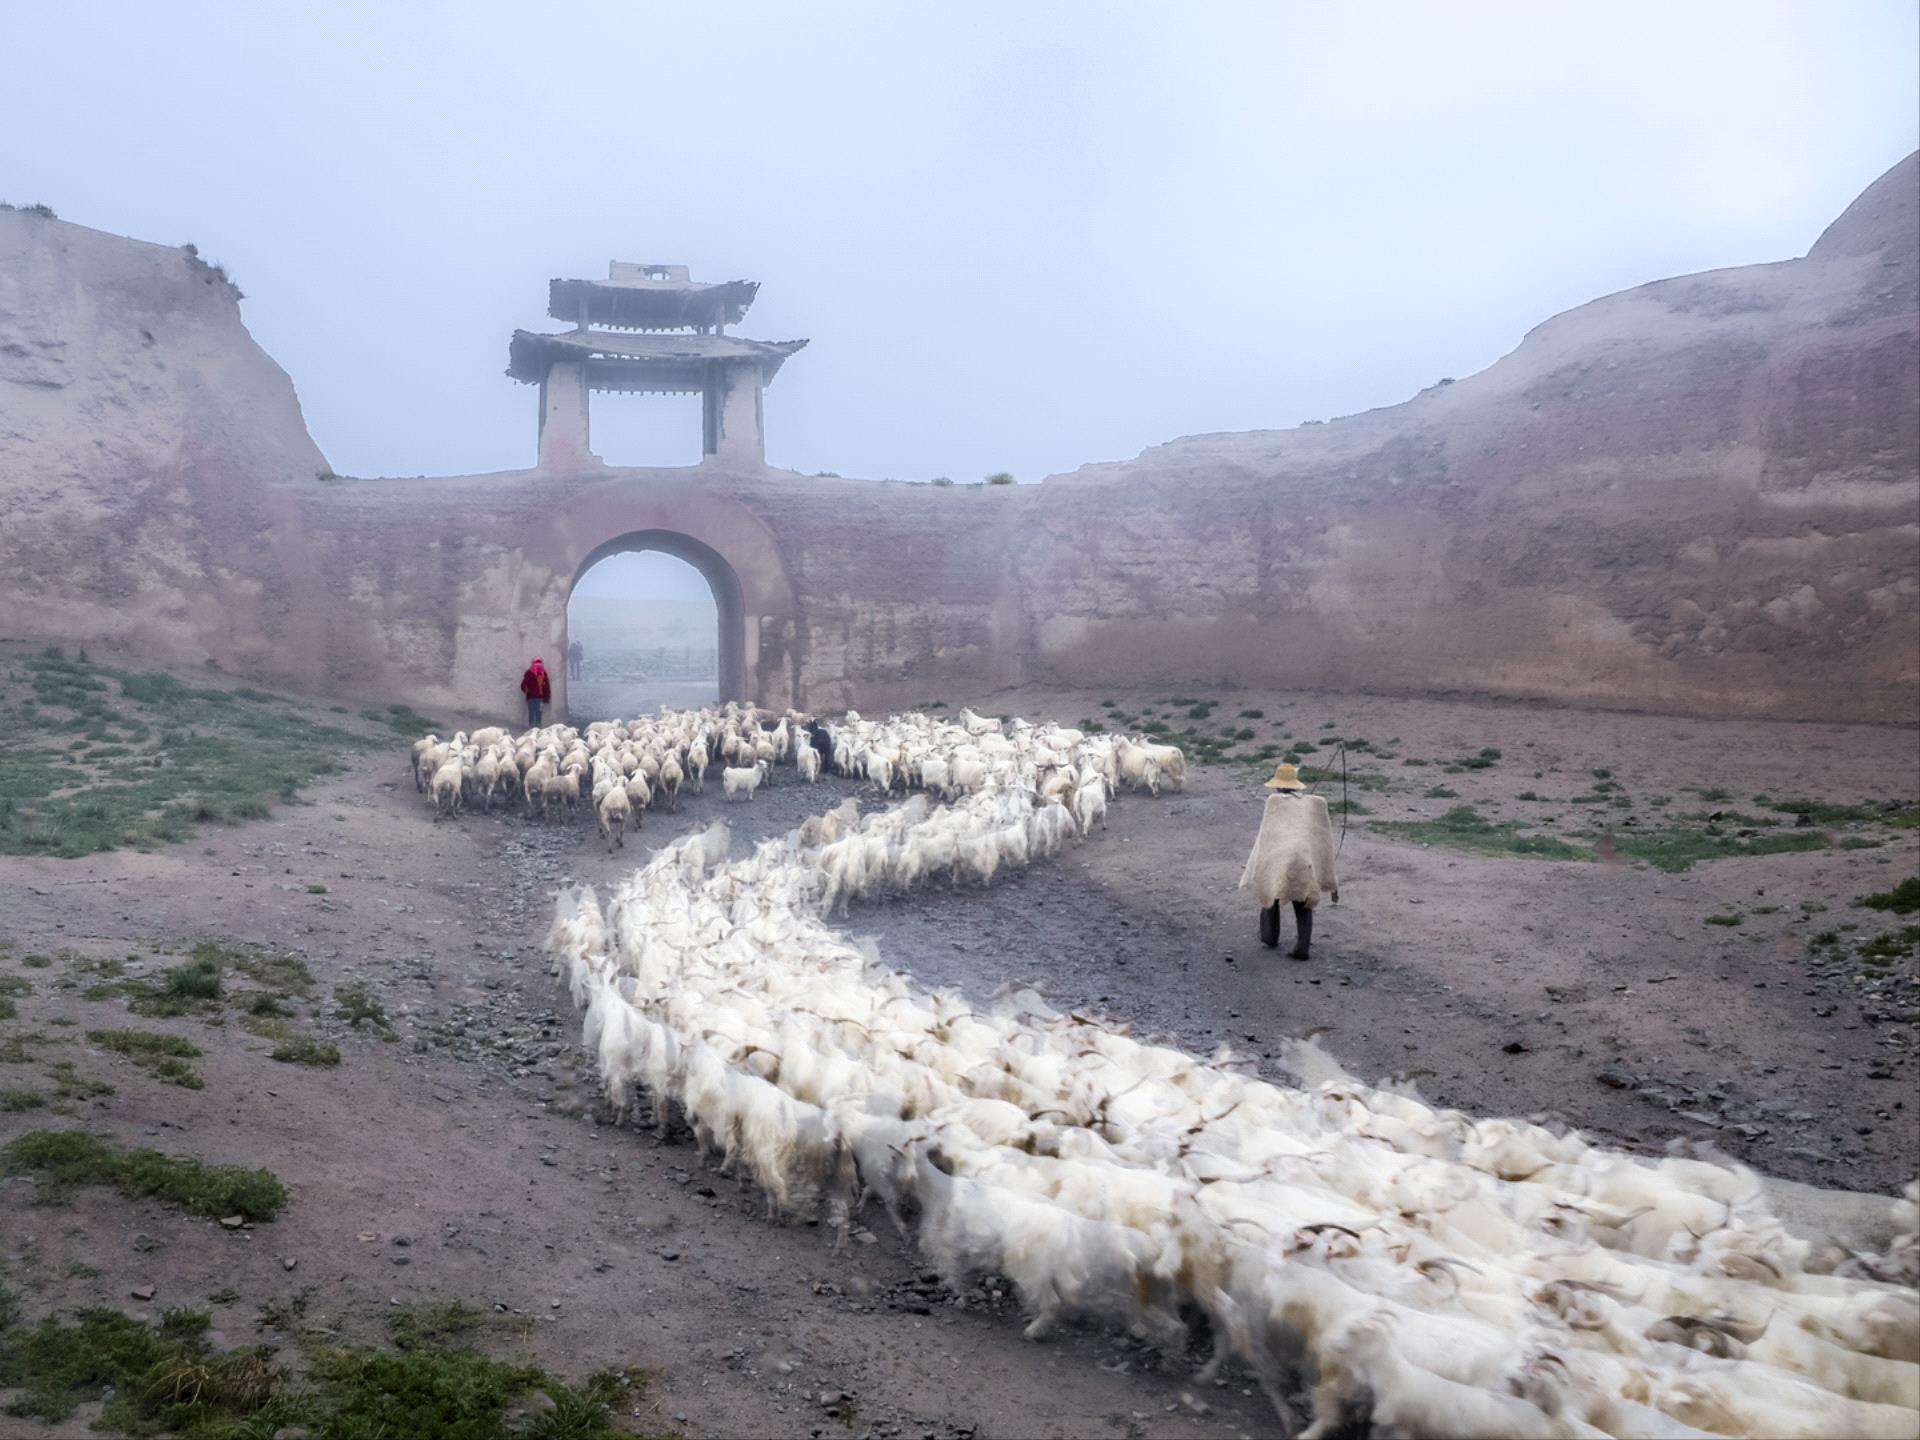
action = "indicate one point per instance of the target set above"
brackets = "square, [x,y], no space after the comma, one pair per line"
[1270,925]
[1303,923]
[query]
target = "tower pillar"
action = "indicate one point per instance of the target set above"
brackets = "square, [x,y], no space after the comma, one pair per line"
[737,410]
[564,436]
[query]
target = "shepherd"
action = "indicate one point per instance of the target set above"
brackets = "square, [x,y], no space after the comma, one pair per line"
[539,689]
[1292,859]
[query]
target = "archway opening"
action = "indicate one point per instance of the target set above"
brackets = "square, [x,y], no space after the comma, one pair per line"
[651,431]
[654,619]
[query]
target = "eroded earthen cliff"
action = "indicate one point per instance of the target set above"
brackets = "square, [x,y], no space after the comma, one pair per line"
[1699,495]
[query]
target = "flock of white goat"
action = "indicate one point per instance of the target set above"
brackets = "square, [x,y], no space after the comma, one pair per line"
[622,769]
[1400,1265]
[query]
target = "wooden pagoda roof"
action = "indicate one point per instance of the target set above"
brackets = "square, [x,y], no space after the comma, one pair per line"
[651,304]
[671,363]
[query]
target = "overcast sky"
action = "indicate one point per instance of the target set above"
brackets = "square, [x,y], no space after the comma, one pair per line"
[1020,236]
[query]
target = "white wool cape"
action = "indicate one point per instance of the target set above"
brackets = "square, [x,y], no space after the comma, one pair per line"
[1292,857]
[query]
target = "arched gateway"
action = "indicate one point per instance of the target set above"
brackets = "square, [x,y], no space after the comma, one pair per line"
[689,515]
[728,602]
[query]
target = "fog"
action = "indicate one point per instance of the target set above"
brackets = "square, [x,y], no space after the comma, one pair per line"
[646,575]
[649,629]
[1019,237]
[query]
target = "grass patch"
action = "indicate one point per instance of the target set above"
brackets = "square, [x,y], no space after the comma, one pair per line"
[357,1006]
[404,719]
[163,759]
[163,1055]
[1484,760]
[64,1160]
[1729,920]
[305,1050]
[451,1393]
[1465,828]
[1902,899]
[1681,849]
[185,989]
[271,970]
[433,1324]
[1820,812]
[148,1369]
[165,1377]
[70,1084]
[1892,945]
[14,1102]
[1356,779]
[1442,792]
[1722,818]
[18,1048]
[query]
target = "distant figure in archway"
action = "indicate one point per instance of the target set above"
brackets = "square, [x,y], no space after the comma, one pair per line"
[537,688]
[576,661]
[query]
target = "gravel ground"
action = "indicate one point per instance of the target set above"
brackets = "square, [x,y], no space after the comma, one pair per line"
[467,1159]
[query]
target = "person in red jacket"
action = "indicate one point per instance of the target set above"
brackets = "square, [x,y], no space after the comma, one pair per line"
[537,688]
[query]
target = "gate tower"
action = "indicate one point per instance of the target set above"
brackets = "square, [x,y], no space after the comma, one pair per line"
[651,329]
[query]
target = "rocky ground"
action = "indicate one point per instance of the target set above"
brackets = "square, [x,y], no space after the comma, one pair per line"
[466,1158]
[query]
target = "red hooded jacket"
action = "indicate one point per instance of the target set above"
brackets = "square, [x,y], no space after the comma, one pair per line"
[534,684]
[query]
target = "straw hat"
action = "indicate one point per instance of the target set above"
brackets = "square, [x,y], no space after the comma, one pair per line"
[1285,777]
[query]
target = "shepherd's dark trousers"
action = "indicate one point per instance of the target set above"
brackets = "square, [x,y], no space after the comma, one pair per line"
[1302,923]
[533,712]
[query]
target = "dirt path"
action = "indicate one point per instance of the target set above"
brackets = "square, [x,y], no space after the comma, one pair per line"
[464,1159]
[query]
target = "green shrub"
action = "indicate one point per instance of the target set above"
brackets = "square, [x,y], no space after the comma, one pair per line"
[1465,828]
[63,1160]
[164,1056]
[1902,899]
[140,1044]
[181,990]
[357,1006]
[1820,812]
[305,1050]
[1892,945]
[434,1325]
[1000,477]
[1680,849]
[1729,920]
[166,1377]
